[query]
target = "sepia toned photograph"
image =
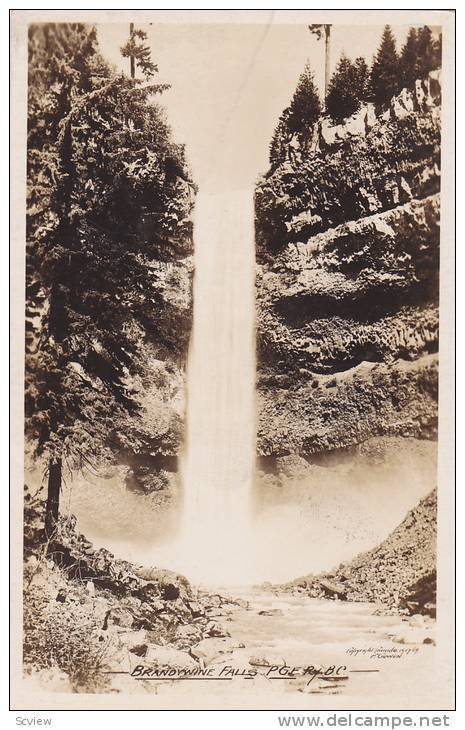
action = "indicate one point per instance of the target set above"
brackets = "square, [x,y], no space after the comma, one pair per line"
[233,293]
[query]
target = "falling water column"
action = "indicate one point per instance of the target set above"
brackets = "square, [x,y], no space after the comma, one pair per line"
[218,465]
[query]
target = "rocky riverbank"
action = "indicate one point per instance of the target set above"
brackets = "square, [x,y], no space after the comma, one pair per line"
[399,574]
[94,623]
[89,616]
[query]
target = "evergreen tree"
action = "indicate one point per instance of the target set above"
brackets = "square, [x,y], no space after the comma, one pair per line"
[134,48]
[362,79]
[409,60]
[384,81]
[105,193]
[280,140]
[343,98]
[305,107]
[437,52]
[426,52]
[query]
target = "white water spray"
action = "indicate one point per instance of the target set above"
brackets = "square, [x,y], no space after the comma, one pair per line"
[217,470]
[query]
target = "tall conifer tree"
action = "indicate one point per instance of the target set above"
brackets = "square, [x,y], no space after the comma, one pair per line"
[437,52]
[138,52]
[361,79]
[385,81]
[409,60]
[425,51]
[280,139]
[105,194]
[343,99]
[305,107]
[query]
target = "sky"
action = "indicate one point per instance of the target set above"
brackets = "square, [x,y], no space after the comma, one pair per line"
[230,83]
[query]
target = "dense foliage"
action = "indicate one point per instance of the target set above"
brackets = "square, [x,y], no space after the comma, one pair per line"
[108,194]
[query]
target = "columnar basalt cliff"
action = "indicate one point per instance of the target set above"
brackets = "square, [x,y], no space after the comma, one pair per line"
[348,281]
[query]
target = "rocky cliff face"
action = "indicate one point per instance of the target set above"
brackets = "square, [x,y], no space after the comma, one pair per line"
[348,281]
[151,446]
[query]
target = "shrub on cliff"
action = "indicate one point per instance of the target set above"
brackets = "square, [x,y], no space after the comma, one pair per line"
[384,80]
[107,194]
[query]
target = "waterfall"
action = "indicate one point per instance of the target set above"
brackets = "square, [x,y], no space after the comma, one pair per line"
[217,468]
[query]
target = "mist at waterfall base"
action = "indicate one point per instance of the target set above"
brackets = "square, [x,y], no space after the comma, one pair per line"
[307,525]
